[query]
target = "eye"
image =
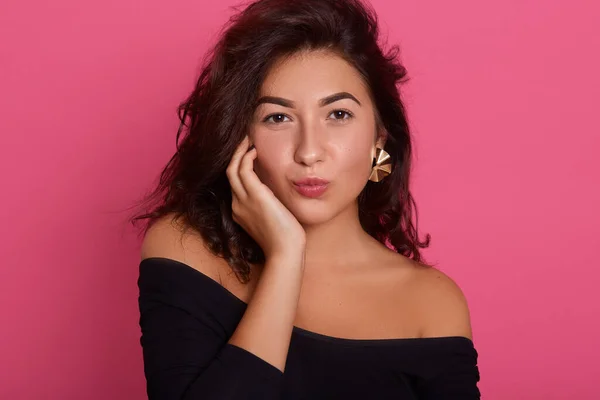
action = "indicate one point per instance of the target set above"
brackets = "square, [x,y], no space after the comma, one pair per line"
[277,118]
[341,113]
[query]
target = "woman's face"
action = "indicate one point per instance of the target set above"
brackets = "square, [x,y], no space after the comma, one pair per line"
[315,119]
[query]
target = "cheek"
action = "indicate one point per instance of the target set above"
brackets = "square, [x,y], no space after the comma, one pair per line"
[355,158]
[265,172]
[269,163]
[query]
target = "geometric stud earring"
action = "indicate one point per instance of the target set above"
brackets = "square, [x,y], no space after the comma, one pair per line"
[382,165]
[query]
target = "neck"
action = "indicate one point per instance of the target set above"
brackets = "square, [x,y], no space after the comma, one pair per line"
[338,244]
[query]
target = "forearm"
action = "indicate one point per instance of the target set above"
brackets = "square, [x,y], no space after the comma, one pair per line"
[266,327]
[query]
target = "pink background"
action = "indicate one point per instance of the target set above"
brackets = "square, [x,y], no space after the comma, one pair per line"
[503,102]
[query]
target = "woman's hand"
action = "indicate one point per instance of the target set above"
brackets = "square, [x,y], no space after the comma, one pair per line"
[256,209]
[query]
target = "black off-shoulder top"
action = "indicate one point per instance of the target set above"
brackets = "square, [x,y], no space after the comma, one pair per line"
[186,319]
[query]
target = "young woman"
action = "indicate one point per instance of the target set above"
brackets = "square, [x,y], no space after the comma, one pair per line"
[282,261]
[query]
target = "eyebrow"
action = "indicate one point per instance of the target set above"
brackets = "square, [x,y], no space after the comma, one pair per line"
[322,103]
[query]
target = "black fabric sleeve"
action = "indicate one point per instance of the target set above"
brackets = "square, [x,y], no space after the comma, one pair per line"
[185,350]
[455,377]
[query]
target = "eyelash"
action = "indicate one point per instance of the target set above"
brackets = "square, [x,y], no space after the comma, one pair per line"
[350,115]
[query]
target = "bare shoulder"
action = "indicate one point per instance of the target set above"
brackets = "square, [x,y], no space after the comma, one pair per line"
[168,238]
[443,306]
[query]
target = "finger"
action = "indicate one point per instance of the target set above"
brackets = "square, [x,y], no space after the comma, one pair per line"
[248,177]
[235,204]
[234,166]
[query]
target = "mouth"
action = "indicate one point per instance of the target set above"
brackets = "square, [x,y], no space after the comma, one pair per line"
[311,187]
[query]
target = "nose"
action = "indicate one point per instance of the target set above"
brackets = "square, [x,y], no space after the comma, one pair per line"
[310,149]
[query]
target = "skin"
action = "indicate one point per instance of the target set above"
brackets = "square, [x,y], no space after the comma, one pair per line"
[323,272]
[336,142]
[353,286]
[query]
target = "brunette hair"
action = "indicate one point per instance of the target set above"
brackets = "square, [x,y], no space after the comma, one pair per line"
[216,117]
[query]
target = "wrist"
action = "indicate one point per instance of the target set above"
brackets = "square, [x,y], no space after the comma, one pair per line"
[293,256]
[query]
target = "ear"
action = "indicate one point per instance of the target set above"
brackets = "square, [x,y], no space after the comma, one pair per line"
[381,141]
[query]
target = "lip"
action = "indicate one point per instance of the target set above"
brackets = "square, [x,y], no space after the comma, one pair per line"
[311,181]
[311,187]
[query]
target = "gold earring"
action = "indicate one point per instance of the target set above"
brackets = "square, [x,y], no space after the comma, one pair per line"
[382,165]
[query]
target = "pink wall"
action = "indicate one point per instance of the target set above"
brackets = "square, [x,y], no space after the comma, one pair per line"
[502,100]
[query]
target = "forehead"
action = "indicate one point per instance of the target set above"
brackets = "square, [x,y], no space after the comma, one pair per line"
[313,74]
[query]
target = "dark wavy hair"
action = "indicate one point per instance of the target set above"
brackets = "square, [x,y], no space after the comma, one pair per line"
[193,185]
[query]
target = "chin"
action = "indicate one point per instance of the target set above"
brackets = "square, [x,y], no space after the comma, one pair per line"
[312,213]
